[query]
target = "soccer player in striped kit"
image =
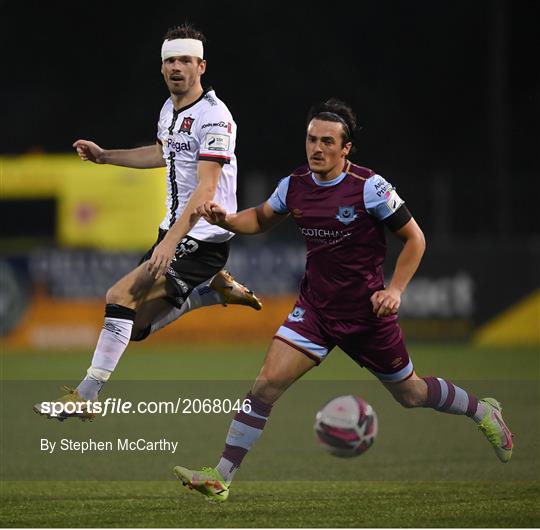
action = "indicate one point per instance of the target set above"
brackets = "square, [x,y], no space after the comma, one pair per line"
[183,270]
[341,210]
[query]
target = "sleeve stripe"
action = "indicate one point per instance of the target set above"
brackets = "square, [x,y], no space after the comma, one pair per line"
[222,157]
[212,158]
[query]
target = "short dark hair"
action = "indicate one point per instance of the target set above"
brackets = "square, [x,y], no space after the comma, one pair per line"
[335,110]
[185,31]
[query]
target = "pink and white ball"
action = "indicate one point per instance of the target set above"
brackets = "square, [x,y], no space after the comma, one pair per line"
[346,426]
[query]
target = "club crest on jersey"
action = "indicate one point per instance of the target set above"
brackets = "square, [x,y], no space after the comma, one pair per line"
[346,214]
[186,125]
[297,315]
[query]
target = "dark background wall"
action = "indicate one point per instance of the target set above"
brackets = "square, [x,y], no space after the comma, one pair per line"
[447,91]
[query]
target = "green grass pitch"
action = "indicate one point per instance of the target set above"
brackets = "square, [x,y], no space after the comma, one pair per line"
[425,469]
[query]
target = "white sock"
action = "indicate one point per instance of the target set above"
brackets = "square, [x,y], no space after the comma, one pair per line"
[201,296]
[479,414]
[208,296]
[226,469]
[245,429]
[112,342]
[173,314]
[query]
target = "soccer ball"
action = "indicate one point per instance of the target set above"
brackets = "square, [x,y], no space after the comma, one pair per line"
[346,426]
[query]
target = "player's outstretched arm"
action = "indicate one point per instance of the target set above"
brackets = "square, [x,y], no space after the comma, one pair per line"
[387,301]
[247,222]
[150,156]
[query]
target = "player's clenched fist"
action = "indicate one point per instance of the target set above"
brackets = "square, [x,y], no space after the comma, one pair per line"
[89,151]
[212,213]
[386,302]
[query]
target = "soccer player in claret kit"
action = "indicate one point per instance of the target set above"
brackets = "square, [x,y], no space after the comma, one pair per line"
[341,210]
[183,270]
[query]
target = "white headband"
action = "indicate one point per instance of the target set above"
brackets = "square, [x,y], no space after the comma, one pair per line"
[179,47]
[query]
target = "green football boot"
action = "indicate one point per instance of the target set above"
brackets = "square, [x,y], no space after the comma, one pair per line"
[495,430]
[207,481]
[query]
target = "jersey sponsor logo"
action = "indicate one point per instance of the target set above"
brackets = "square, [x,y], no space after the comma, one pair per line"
[297,315]
[346,214]
[216,142]
[224,124]
[187,123]
[323,233]
[178,146]
[393,200]
[381,187]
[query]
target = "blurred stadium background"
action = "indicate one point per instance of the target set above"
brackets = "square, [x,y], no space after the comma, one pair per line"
[445,92]
[448,96]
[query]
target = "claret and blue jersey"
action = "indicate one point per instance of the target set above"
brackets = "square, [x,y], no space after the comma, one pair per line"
[342,223]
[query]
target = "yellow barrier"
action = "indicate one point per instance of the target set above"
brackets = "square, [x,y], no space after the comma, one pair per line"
[518,325]
[99,206]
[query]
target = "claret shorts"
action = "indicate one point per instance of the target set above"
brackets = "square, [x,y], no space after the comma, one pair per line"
[374,343]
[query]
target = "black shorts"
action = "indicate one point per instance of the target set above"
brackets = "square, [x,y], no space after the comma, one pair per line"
[195,262]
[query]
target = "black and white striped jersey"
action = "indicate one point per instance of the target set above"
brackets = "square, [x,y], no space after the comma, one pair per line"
[203,130]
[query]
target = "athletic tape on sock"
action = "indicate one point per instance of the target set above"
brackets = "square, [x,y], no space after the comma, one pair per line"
[98,373]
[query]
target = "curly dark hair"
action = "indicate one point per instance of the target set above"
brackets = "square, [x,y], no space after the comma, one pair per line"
[185,31]
[336,110]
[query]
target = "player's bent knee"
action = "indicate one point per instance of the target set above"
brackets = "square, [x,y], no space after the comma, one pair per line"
[111,297]
[117,296]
